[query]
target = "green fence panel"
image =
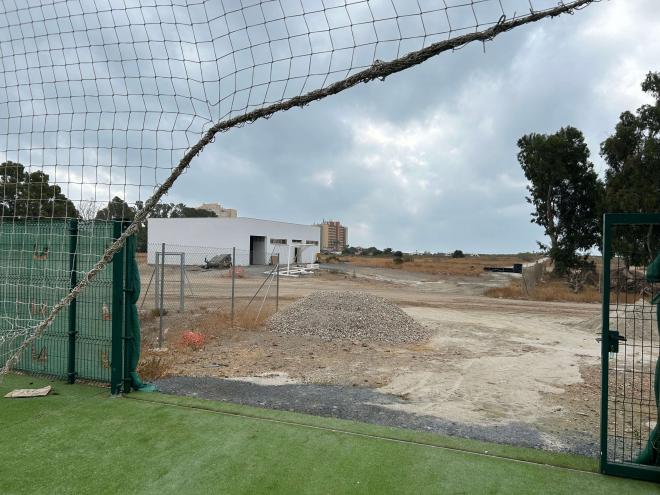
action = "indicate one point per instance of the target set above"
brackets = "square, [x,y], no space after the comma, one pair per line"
[35,270]
[95,310]
[630,342]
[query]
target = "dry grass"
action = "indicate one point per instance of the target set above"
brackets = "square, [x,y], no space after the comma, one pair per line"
[154,365]
[552,289]
[213,325]
[438,265]
[217,323]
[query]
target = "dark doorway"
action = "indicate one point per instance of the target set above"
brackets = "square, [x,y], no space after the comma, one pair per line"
[257,250]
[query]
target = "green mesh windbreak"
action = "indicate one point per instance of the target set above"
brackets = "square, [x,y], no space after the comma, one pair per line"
[35,260]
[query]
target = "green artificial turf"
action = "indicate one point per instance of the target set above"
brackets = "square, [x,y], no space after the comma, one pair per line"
[83,441]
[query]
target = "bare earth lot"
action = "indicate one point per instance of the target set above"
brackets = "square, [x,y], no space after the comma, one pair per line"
[514,371]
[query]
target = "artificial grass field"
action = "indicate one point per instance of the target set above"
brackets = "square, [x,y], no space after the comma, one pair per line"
[81,440]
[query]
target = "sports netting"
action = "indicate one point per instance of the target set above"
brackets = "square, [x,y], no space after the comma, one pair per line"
[104,103]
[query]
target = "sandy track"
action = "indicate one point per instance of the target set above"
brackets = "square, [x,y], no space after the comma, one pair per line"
[491,362]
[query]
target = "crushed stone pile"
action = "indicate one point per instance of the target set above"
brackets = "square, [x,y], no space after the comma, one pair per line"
[332,315]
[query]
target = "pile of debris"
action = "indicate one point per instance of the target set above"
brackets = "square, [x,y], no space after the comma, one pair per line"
[630,280]
[331,315]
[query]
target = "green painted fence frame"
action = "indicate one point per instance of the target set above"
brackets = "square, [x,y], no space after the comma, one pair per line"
[625,469]
[88,339]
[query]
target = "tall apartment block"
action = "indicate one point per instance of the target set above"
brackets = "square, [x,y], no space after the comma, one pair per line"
[334,236]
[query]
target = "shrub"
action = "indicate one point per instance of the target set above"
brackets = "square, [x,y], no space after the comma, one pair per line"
[458,254]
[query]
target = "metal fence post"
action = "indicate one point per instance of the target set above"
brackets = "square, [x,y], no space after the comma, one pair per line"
[157,280]
[277,285]
[129,250]
[605,343]
[73,267]
[233,282]
[116,360]
[162,286]
[182,283]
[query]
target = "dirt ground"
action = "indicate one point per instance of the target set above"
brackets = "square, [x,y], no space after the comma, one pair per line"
[490,362]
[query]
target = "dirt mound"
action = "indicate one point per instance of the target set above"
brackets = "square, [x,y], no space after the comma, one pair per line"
[348,315]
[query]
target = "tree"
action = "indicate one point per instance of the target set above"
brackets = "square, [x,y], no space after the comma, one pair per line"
[26,194]
[117,209]
[88,209]
[166,210]
[632,178]
[566,193]
[372,251]
[182,211]
[458,254]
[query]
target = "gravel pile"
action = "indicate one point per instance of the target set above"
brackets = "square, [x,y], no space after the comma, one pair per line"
[333,315]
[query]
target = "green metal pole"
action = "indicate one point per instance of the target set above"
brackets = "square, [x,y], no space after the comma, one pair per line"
[128,294]
[73,267]
[605,340]
[117,361]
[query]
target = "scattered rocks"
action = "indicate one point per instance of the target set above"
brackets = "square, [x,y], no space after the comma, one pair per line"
[332,315]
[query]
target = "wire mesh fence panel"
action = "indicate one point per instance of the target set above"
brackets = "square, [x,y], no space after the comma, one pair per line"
[200,279]
[34,273]
[532,274]
[104,104]
[34,280]
[94,306]
[631,342]
[190,277]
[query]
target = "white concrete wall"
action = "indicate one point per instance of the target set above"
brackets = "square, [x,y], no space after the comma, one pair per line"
[208,237]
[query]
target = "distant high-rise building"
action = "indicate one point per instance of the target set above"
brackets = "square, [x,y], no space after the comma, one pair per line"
[334,236]
[219,210]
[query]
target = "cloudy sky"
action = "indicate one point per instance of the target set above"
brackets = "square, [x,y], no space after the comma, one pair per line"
[106,95]
[427,159]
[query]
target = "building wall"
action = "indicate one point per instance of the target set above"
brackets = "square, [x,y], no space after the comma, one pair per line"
[207,237]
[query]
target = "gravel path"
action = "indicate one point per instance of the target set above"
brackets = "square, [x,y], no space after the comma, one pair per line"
[367,405]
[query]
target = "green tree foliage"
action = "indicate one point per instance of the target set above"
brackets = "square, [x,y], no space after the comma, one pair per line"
[566,194]
[632,178]
[372,251]
[458,254]
[167,210]
[26,194]
[117,209]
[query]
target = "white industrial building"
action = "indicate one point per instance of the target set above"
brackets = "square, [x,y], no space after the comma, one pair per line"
[257,242]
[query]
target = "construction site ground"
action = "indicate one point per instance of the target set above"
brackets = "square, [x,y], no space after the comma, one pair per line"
[509,371]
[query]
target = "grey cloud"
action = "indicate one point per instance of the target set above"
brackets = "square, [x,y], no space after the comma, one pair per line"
[535,79]
[425,160]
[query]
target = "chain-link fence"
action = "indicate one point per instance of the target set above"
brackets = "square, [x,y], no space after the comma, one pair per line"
[179,282]
[532,274]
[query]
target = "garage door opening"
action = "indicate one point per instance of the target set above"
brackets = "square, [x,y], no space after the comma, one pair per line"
[257,250]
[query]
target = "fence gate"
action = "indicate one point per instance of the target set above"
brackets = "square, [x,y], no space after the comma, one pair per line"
[630,440]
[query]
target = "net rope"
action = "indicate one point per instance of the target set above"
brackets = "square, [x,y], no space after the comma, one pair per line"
[106,102]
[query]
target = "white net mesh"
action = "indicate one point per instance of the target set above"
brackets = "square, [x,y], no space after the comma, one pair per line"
[103,103]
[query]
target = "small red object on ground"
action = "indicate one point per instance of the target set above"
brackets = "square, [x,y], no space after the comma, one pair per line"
[194,340]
